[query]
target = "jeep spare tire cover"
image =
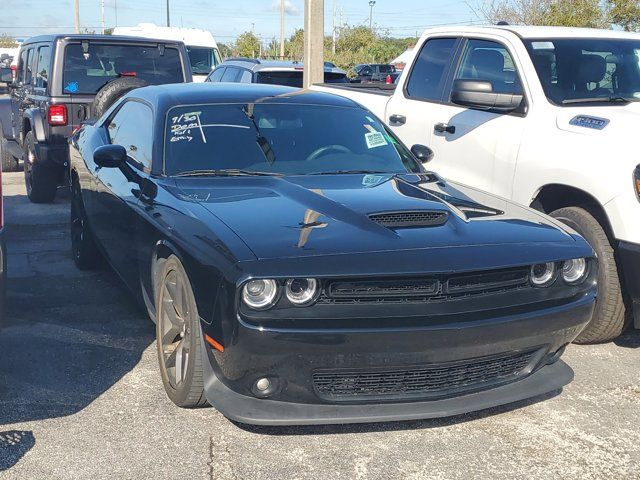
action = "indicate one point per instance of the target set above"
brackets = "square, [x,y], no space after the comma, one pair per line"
[112,91]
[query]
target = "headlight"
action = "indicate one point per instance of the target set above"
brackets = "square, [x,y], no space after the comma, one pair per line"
[543,274]
[636,181]
[301,291]
[574,271]
[260,294]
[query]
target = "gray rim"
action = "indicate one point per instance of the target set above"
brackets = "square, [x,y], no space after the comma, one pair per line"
[175,328]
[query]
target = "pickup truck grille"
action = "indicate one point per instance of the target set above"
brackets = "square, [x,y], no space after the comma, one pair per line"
[433,380]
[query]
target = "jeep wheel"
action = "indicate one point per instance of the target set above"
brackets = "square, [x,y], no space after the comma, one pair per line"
[85,252]
[9,163]
[608,319]
[41,182]
[112,91]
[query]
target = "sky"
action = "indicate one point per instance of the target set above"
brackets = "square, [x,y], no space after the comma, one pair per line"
[227,19]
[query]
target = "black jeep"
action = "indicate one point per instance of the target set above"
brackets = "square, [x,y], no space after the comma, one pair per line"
[63,80]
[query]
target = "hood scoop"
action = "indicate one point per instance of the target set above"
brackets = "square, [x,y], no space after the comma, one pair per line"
[410,218]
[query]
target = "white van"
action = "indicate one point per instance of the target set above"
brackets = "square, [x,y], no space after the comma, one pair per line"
[202,48]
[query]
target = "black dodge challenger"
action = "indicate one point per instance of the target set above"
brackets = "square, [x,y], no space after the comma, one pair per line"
[302,266]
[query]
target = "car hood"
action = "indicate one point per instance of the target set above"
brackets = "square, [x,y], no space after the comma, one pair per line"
[298,216]
[617,120]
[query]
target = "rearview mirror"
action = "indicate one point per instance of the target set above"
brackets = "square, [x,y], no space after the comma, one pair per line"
[422,153]
[480,94]
[6,75]
[110,156]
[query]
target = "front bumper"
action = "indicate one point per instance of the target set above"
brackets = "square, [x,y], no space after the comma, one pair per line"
[290,358]
[629,255]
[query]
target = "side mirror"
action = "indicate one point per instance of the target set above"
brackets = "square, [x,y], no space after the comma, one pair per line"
[6,75]
[110,156]
[422,153]
[480,94]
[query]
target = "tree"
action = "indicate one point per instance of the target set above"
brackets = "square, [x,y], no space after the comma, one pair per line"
[568,13]
[576,13]
[7,42]
[625,13]
[247,45]
[226,50]
[514,12]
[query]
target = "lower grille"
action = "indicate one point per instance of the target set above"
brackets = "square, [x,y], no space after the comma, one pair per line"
[435,380]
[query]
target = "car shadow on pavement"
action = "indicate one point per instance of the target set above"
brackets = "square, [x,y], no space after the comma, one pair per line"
[13,446]
[391,426]
[629,339]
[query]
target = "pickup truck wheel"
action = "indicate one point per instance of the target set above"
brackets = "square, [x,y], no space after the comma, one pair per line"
[9,163]
[85,252]
[41,182]
[608,319]
[178,336]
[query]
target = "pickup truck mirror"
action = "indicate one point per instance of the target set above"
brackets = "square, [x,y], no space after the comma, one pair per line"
[6,75]
[480,94]
[110,156]
[422,153]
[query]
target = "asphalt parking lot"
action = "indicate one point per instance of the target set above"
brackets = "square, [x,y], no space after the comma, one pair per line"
[81,397]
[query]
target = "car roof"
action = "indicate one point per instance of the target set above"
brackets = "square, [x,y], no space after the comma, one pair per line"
[164,97]
[533,32]
[256,65]
[102,38]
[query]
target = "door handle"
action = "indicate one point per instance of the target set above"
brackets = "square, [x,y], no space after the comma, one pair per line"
[444,128]
[398,119]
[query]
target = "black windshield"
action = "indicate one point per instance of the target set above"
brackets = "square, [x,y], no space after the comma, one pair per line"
[598,70]
[279,138]
[290,78]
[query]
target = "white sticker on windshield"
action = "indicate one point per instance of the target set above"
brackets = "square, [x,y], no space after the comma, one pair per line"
[375,139]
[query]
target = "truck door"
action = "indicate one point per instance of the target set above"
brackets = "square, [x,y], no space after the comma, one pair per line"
[20,94]
[478,147]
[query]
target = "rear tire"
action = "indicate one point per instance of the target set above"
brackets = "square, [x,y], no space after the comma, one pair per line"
[112,91]
[9,162]
[608,319]
[178,335]
[86,255]
[41,182]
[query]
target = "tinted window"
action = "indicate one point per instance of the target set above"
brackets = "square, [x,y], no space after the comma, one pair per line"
[28,71]
[22,66]
[246,76]
[280,138]
[294,78]
[42,67]
[132,127]
[202,59]
[88,73]
[430,70]
[230,75]
[489,61]
[387,69]
[216,75]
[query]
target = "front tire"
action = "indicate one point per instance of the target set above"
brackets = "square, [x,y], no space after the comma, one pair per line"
[178,335]
[86,255]
[608,319]
[41,182]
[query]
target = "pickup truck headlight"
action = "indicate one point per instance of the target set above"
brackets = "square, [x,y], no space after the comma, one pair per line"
[574,271]
[636,181]
[260,294]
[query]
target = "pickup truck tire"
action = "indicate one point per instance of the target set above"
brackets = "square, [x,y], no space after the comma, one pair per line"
[41,182]
[9,162]
[112,91]
[608,319]
[86,255]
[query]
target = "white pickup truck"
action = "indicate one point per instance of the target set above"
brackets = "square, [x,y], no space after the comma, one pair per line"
[545,116]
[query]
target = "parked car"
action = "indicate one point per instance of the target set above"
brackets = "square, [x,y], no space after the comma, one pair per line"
[3,255]
[375,73]
[545,116]
[61,80]
[249,70]
[304,278]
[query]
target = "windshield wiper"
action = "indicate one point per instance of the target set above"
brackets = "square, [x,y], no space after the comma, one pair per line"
[342,172]
[226,172]
[610,99]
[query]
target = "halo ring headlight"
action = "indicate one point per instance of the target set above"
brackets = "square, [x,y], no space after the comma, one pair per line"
[543,274]
[574,270]
[260,294]
[301,291]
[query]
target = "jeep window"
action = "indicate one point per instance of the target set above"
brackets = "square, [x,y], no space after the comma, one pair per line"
[203,59]
[86,73]
[428,75]
[42,67]
[22,66]
[574,71]
[28,71]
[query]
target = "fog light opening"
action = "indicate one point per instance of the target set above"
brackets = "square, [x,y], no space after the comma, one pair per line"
[263,384]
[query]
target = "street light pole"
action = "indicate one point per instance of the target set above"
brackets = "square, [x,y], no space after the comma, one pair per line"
[168,19]
[371,4]
[281,29]
[76,8]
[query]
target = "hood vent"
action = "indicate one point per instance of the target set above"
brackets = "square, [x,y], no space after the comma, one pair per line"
[408,219]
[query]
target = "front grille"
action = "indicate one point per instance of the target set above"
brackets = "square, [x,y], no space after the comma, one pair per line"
[435,380]
[424,289]
[416,218]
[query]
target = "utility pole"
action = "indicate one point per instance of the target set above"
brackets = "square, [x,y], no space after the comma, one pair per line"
[76,8]
[333,29]
[281,29]
[115,6]
[168,19]
[371,4]
[102,16]
[313,42]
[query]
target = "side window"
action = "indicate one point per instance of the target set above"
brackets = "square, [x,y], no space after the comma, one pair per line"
[230,74]
[491,62]
[28,71]
[246,76]
[22,65]
[42,67]
[429,73]
[216,75]
[132,127]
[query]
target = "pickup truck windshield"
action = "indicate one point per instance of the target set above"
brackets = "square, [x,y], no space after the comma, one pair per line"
[203,59]
[86,72]
[281,139]
[589,69]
